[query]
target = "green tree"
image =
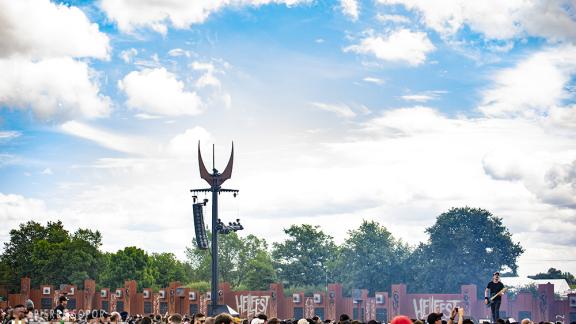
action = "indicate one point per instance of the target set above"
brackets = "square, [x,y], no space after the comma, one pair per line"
[50,255]
[371,258]
[239,261]
[166,268]
[131,263]
[306,257]
[465,245]
[554,273]
[260,273]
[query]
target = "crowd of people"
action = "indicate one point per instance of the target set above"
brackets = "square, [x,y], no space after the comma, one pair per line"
[26,313]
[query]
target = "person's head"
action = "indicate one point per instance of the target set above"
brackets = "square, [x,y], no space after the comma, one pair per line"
[146,320]
[199,318]
[209,320]
[63,300]
[273,320]
[372,322]
[115,317]
[344,317]
[29,305]
[302,321]
[175,318]
[401,320]
[418,322]
[434,318]
[467,321]
[500,321]
[19,312]
[496,276]
[257,320]
[526,321]
[224,319]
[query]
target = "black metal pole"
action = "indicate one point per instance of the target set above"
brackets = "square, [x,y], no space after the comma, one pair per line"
[214,290]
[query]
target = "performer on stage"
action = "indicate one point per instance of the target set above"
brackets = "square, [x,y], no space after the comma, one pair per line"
[494,287]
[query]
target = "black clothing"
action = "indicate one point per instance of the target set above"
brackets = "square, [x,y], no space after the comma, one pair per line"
[494,289]
[495,308]
[58,311]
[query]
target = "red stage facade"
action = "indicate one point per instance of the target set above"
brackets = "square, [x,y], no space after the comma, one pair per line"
[327,304]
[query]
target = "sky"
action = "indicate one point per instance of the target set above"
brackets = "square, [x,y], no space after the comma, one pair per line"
[339,111]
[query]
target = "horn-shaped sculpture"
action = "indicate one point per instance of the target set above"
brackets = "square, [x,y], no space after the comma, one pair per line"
[216,179]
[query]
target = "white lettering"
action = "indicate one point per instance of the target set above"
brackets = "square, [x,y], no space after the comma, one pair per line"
[252,305]
[426,305]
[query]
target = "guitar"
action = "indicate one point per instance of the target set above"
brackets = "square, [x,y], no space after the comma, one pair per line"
[491,299]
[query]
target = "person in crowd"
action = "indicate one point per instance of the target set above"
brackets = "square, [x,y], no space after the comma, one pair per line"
[18,314]
[209,320]
[115,317]
[59,310]
[401,319]
[199,318]
[526,321]
[436,318]
[224,319]
[175,319]
[146,320]
[492,293]
[344,319]
[273,320]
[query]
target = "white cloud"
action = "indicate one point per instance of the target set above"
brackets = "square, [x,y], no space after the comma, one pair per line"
[397,19]
[418,97]
[16,209]
[157,91]
[202,66]
[373,80]
[175,52]
[108,139]
[41,29]
[497,19]
[128,55]
[53,88]
[8,135]
[47,171]
[208,79]
[186,143]
[38,41]
[350,8]
[549,174]
[534,86]
[398,46]
[340,110]
[147,116]
[180,14]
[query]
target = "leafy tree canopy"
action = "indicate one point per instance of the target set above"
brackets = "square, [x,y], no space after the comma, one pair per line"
[465,245]
[305,258]
[371,258]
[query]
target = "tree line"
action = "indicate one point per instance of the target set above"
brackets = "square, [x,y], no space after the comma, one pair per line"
[464,246]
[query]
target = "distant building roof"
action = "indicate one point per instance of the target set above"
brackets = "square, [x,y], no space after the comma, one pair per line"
[561,286]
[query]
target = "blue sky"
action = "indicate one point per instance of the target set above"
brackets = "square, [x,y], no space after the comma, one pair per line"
[386,110]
